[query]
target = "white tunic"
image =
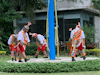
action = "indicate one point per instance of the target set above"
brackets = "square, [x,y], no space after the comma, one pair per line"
[9,40]
[82,36]
[40,39]
[72,33]
[21,38]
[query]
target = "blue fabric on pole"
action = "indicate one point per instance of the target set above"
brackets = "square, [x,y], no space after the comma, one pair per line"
[45,35]
[51,29]
[56,8]
[45,17]
[57,25]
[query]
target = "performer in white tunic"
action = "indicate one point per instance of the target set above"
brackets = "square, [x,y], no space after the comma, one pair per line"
[24,40]
[78,42]
[12,42]
[41,42]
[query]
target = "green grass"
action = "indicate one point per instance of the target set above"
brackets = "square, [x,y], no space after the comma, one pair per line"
[4,58]
[69,73]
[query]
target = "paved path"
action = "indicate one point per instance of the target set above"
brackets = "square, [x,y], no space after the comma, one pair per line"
[58,59]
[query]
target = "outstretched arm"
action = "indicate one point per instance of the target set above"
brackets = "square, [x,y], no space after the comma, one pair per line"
[29,23]
[77,26]
[70,29]
[30,33]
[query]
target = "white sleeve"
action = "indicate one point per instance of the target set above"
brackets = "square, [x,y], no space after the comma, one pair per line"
[28,38]
[40,38]
[20,36]
[83,35]
[71,35]
[9,40]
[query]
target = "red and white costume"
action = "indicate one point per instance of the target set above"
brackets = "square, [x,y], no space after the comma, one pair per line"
[77,36]
[41,40]
[12,43]
[24,38]
[81,36]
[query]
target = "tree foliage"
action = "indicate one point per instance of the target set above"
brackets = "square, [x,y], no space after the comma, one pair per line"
[89,32]
[1,43]
[96,4]
[7,15]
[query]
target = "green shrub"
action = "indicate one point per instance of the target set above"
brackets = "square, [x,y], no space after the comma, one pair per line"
[93,52]
[31,50]
[7,51]
[88,65]
[2,52]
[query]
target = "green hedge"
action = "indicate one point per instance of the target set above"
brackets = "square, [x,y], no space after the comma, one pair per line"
[88,65]
[93,52]
[2,52]
[7,51]
[30,50]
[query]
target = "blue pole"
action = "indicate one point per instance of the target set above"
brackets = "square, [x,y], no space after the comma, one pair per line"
[51,29]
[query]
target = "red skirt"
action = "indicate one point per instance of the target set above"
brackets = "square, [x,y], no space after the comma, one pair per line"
[79,48]
[21,48]
[43,48]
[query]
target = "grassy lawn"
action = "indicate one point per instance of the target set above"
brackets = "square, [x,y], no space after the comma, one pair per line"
[69,73]
[6,58]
